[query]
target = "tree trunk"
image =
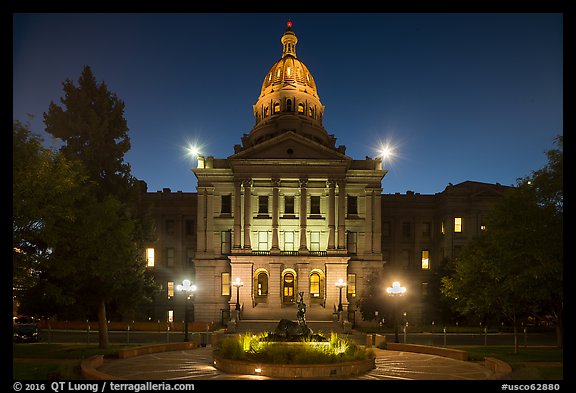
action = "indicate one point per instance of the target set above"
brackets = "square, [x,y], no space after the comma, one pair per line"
[102,326]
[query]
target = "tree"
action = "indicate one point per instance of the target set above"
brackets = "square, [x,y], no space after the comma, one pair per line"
[45,186]
[515,268]
[108,246]
[94,130]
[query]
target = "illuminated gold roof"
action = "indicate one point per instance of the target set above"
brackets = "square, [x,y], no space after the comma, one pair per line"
[289,71]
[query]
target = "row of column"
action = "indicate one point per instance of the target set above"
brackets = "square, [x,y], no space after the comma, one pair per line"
[303,249]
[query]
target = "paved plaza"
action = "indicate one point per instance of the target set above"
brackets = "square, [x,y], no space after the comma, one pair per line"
[196,364]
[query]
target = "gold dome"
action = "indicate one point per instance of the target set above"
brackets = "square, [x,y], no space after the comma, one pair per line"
[289,71]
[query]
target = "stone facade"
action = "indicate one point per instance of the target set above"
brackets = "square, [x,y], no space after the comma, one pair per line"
[290,212]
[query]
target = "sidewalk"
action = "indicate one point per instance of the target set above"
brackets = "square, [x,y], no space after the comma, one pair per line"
[196,364]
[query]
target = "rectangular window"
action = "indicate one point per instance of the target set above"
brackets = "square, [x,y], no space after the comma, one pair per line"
[425,259]
[288,241]
[424,289]
[426,229]
[263,204]
[405,258]
[225,242]
[352,242]
[150,257]
[386,229]
[289,204]
[170,257]
[352,205]
[170,227]
[170,289]
[263,241]
[225,286]
[170,315]
[314,205]
[226,204]
[351,287]
[314,241]
[406,230]
[442,227]
[189,227]
[458,224]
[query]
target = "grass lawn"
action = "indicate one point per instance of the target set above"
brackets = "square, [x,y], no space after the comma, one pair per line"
[41,361]
[530,363]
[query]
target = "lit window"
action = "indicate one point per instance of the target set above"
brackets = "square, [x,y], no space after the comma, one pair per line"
[269,77]
[225,288]
[483,228]
[276,107]
[442,228]
[150,257]
[351,287]
[301,108]
[314,241]
[288,241]
[425,259]
[170,289]
[170,315]
[278,73]
[288,71]
[315,285]
[457,224]
[263,240]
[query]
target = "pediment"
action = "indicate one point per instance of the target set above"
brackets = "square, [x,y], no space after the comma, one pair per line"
[290,145]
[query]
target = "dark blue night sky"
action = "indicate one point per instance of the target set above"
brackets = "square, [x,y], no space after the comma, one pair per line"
[460,96]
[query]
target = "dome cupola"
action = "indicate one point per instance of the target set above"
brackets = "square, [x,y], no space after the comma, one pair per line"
[288,100]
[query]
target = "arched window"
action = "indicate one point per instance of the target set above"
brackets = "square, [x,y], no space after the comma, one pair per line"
[311,112]
[301,108]
[262,284]
[314,285]
[276,107]
[265,111]
[288,288]
[288,105]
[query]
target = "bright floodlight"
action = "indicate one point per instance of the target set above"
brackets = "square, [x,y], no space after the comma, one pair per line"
[396,289]
[386,152]
[193,150]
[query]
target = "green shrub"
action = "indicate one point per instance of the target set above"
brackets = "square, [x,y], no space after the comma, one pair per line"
[252,347]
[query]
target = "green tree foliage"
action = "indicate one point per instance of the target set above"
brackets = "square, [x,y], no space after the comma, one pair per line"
[516,267]
[45,187]
[92,125]
[97,251]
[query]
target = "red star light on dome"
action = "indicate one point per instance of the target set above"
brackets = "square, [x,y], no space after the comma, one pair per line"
[289,24]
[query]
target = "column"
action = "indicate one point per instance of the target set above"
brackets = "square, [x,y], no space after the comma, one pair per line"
[331,214]
[341,215]
[275,211]
[247,213]
[237,215]
[377,217]
[303,247]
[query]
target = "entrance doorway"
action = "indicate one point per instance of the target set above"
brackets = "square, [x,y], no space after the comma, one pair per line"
[288,288]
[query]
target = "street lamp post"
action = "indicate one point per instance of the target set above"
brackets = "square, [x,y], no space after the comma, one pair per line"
[340,284]
[237,284]
[395,291]
[188,289]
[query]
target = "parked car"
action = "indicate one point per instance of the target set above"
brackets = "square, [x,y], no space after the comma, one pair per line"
[25,329]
